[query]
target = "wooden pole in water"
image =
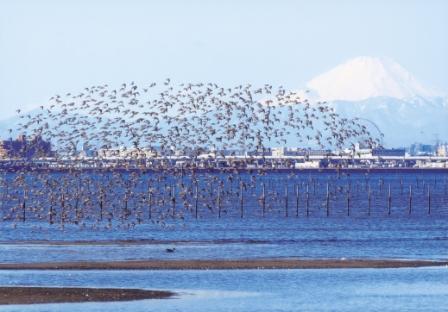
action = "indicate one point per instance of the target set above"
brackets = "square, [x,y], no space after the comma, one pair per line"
[429,200]
[5,194]
[389,201]
[328,200]
[348,202]
[101,204]
[125,210]
[410,200]
[219,201]
[62,207]
[173,199]
[241,200]
[24,206]
[297,200]
[149,203]
[78,196]
[369,199]
[196,198]
[263,199]
[286,200]
[307,200]
[51,209]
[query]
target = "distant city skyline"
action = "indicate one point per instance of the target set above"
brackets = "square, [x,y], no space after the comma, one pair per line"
[49,47]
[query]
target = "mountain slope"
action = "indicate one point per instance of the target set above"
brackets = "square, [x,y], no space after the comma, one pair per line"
[366,77]
[387,95]
[403,122]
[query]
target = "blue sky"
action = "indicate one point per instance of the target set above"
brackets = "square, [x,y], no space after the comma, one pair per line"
[49,47]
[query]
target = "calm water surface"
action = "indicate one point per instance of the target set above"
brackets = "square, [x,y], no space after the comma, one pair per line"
[421,289]
[400,237]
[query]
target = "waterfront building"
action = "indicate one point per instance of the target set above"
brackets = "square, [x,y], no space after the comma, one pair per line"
[278,151]
[284,151]
[319,152]
[442,150]
[307,165]
[261,152]
[389,152]
[126,153]
[419,149]
[86,151]
[35,147]
[362,151]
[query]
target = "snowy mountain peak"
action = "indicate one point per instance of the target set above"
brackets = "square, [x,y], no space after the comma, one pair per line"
[366,77]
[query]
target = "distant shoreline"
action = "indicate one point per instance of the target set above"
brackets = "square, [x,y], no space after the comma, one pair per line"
[222,170]
[233,264]
[34,295]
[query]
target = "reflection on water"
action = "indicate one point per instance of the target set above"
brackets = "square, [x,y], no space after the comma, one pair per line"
[252,290]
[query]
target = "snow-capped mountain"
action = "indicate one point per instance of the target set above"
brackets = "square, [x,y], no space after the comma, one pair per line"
[387,95]
[367,77]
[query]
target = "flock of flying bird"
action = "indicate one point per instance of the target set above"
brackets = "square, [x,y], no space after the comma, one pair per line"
[186,119]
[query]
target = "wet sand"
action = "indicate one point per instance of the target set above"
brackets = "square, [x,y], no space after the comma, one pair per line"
[222,264]
[31,295]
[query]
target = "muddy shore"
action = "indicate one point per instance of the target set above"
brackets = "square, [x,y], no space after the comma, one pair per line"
[33,295]
[222,264]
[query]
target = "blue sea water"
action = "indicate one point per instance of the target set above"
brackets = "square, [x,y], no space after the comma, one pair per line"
[416,289]
[401,237]
[388,231]
[318,223]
